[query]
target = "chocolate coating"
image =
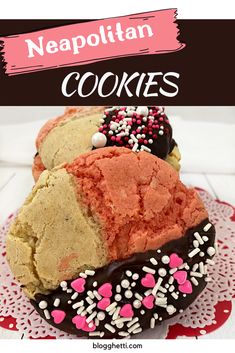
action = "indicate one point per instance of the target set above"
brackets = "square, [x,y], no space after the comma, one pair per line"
[115,273]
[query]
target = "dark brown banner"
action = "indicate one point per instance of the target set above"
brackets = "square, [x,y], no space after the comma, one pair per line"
[202,73]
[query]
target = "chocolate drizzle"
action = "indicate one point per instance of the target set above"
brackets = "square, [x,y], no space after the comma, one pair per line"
[194,262]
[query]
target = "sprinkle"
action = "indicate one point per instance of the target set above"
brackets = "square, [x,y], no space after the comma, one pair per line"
[170,309]
[91,307]
[142,312]
[89,272]
[110,328]
[226,311]
[69,301]
[160,301]
[201,268]
[161,295]
[173,270]
[135,276]
[195,267]
[152,322]
[116,313]
[194,252]
[157,285]
[167,286]
[90,294]
[135,147]
[138,330]
[159,251]
[128,273]
[63,284]
[153,261]
[210,262]
[201,253]
[133,284]
[118,288]
[43,304]
[171,280]
[207,227]
[165,259]
[123,334]
[80,310]
[128,294]
[181,311]
[118,297]
[199,238]
[101,315]
[137,304]
[134,138]
[146,149]
[148,270]
[97,322]
[202,332]
[74,296]
[196,243]
[196,274]
[56,302]
[162,272]
[47,314]
[69,290]
[89,300]
[184,295]
[138,296]
[118,321]
[96,294]
[83,275]
[95,333]
[148,292]
[125,283]
[205,238]
[162,289]
[132,328]
[194,281]
[132,322]
[208,279]
[184,265]
[211,251]
[174,295]
[155,316]
[78,304]
[91,317]
[160,318]
[111,306]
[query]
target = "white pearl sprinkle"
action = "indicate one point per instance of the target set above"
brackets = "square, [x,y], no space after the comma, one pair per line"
[118,297]
[43,304]
[135,276]
[125,283]
[128,273]
[162,272]
[101,315]
[128,294]
[98,140]
[63,284]
[165,259]
[142,312]
[170,309]
[211,251]
[137,304]
[142,110]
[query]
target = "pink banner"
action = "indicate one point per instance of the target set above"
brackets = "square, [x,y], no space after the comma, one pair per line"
[78,44]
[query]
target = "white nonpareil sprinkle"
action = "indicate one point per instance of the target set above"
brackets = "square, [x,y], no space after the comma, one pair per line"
[89,272]
[135,276]
[125,283]
[128,273]
[56,302]
[142,312]
[165,259]
[196,274]
[95,284]
[194,281]
[132,322]
[74,296]
[194,252]
[148,270]
[118,297]
[201,253]
[111,306]
[137,304]
[157,285]
[91,317]
[78,304]
[152,322]
[101,315]
[207,227]
[199,238]
[63,284]
[128,294]
[110,328]
[69,290]
[196,243]
[133,284]
[162,272]
[47,314]
[43,304]
[205,238]
[211,251]
[153,261]
[133,328]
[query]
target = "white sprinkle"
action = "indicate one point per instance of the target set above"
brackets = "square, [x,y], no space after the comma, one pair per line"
[195,267]
[142,312]
[128,294]
[116,313]
[128,273]
[159,251]
[91,307]
[91,317]
[118,321]
[162,272]
[155,316]
[160,318]
[162,289]
[150,141]
[78,304]
[96,294]
[125,283]
[134,138]
[97,322]
[133,328]
[90,294]
[89,272]
[211,251]
[138,330]
[137,304]
[148,270]
[171,280]
[194,281]
[80,310]
[161,295]
[138,296]
[202,332]
[132,322]
[56,302]
[181,311]
[135,276]
[210,262]
[43,304]
[184,265]
[196,274]
[160,132]
[167,286]
[170,309]
[226,311]
[63,284]
[194,252]
[123,334]
[47,314]
[174,295]
[152,322]
[153,261]
[208,279]
[161,301]
[201,268]
[184,295]
[205,269]
[201,253]
[69,301]
[157,285]
[89,300]
[205,238]
[148,292]
[173,270]
[165,259]
[121,134]
[118,297]
[118,288]
[69,290]
[199,238]
[101,315]
[74,296]
[83,275]
[146,149]
[110,132]
[207,227]
[196,243]
[133,284]
[187,267]
[111,306]
[95,333]
[110,328]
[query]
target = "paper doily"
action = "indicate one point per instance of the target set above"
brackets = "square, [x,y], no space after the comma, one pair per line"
[14,304]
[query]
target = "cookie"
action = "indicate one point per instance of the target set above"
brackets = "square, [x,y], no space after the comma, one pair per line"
[111,244]
[82,129]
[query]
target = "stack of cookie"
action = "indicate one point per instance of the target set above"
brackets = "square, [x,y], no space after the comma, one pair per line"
[110,242]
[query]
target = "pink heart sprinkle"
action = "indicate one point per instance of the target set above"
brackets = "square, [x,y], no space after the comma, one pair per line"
[105,290]
[148,281]
[180,276]
[79,321]
[175,261]
[186,287]
[126,311]
[148,301]
[58,316]
[103,303]
[78,285]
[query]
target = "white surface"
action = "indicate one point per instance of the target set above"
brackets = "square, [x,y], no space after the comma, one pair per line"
[199,9]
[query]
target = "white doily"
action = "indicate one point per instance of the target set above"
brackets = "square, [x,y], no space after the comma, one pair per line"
[201,313]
